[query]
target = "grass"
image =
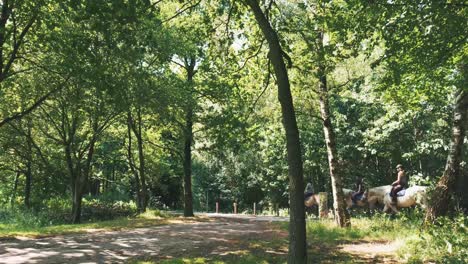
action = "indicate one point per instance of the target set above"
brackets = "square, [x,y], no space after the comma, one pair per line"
[149,218]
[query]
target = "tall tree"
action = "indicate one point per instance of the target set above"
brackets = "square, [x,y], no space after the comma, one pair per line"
[297,231]
[427,65]
[441,196]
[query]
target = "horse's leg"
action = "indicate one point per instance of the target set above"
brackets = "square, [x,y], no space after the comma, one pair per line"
[371,207]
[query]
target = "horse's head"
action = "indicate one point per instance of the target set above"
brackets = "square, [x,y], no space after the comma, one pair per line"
[420,196]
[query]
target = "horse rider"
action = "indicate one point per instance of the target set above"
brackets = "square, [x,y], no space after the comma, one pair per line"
[400,184]
[359,189]
[309,190]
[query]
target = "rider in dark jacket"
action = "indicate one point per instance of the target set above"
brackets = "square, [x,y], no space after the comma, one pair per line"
[400,184]
[359,189]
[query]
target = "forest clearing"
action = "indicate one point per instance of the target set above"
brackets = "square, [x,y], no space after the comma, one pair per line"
[233,131]
[207,238]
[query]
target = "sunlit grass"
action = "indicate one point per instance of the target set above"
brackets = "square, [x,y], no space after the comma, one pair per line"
[149,218]
[379,227]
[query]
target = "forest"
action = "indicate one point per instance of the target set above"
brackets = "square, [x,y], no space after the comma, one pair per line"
[127,114]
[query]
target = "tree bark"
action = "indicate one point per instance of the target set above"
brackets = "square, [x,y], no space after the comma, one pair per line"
[15,187]
[138,172]
[341,215]
[188,199]
[141,158]
[440,198]
[297,230]
[28,174]
[188,132]
[131,162]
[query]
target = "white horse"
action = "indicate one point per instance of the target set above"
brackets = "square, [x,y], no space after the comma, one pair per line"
[376,195]
[348,194]
[413,195]
[312,200]
[371,197]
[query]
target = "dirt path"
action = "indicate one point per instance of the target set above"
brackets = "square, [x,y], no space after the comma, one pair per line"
[216,236]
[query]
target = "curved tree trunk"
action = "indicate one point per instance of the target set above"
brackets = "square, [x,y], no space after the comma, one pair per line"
[441,196]
[297,230]
[341,215]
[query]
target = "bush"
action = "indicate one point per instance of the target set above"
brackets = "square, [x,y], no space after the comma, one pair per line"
[443,242]
[96,209]
[58,211]
[450,239]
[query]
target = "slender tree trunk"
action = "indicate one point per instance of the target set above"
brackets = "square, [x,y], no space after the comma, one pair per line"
[188,199]
[15,188]
[28,183]
[141,158]
[341,215]
[441,196]
[75,183]
[140,189]
[77,199]
[188,131]
[297,230]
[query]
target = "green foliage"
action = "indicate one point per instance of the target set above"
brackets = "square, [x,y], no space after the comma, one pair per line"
[57,211]
[96,209]
[443,242]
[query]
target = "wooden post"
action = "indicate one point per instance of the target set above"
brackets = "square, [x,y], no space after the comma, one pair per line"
[235,208]
[217,207]
[323,205]
[255,209]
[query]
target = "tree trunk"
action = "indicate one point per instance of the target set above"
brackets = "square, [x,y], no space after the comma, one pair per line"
[131,162]
[28,183]
[27,186]
[15,187]
[141,158]
[77,199]
[75,183]
[297,230]
[188,132]
[188,199]
[440,198]
[341,215]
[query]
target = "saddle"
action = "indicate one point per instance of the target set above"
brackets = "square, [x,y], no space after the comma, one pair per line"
[400,193]
[307,195]
[359,197]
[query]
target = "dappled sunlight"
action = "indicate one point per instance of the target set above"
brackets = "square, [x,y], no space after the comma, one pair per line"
[209,238]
